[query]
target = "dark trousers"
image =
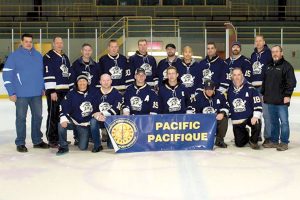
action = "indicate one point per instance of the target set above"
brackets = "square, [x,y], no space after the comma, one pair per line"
[241,135]
[222,126]
[53,117]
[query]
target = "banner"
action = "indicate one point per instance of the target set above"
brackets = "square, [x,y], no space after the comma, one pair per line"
[137,133]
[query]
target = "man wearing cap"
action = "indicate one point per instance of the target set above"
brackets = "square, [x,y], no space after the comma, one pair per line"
[139,98]
[240,61]
[213,68]
[210,101]
[108,102]
[141,59]
[174,97]
[245,109]
[171,60]
[76,111]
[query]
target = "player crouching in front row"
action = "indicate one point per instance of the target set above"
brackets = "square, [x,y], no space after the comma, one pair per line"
[75,114]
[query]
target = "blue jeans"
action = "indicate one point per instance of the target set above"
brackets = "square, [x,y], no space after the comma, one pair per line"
[35,105]
[280,129]
[95,126]
[83,135]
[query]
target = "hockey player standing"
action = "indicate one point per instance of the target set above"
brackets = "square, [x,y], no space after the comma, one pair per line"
[58,80]
[240,61]
[245,109]
[76,113]
[86,65]
[108,102]
[139,98]
[171,60]
[116,65]
[210,101]
[189,70]
[141,59]
[213,68]
[173,96]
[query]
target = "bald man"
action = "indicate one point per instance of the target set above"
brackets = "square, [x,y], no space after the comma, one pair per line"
[108,102]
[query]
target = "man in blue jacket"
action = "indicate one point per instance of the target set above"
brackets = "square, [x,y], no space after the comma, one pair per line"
[23,79]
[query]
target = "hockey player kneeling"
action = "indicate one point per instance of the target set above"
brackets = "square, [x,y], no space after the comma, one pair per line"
[245,109]
[173,96]
[139,98]
[76,111]
[108,102]
[210,101]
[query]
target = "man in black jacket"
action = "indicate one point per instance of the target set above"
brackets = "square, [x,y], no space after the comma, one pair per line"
[277,88]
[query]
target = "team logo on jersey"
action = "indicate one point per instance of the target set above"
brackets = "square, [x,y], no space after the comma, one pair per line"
[208,110]
[207,75]
[116,72]
[124,133]
[174,104]
[257,67]
[147,68]
[188,80]
[104,107]
[136,103]
[86,108]
[239,105]
[65,71]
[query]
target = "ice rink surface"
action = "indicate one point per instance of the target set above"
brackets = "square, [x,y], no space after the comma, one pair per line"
[232,173]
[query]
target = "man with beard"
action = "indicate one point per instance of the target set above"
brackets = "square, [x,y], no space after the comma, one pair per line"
[171,60]
[116,65]
[141,59]
[213,68]
[240,61]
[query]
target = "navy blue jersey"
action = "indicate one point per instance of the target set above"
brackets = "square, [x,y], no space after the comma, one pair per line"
[116,67]
[244,103]
[240,62]
[259,61]
[140,100]
[162,68]
[90,69]
[78,107]
[148,63]
[173,99]
[57,71]
[217,103]
[110,103]
[189,75]
[213,69]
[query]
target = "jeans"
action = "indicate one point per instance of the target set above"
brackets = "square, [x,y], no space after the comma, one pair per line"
[95,130]
[280,129]
[83,135]
[35,105]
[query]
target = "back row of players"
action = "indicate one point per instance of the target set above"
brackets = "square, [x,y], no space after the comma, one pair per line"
[139,86]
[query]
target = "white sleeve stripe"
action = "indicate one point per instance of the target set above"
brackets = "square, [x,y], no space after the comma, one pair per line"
[258,107]
[6,82]
[49,77]
[112,110]
[50,85]
[6,69]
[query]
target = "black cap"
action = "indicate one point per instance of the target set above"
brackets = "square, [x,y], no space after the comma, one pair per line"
[82,76]
[171,45]
[140,70]
[236,43]
[209,85]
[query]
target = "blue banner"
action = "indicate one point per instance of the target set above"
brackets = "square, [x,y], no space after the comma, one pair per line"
[137,133]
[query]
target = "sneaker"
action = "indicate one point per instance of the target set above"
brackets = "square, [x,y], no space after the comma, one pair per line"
[282,147]
[267,141]
[96,150]
[62,151]
[22,149]
[221,144]
[254,146]
[53,145]
[270,145]
[41,145]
